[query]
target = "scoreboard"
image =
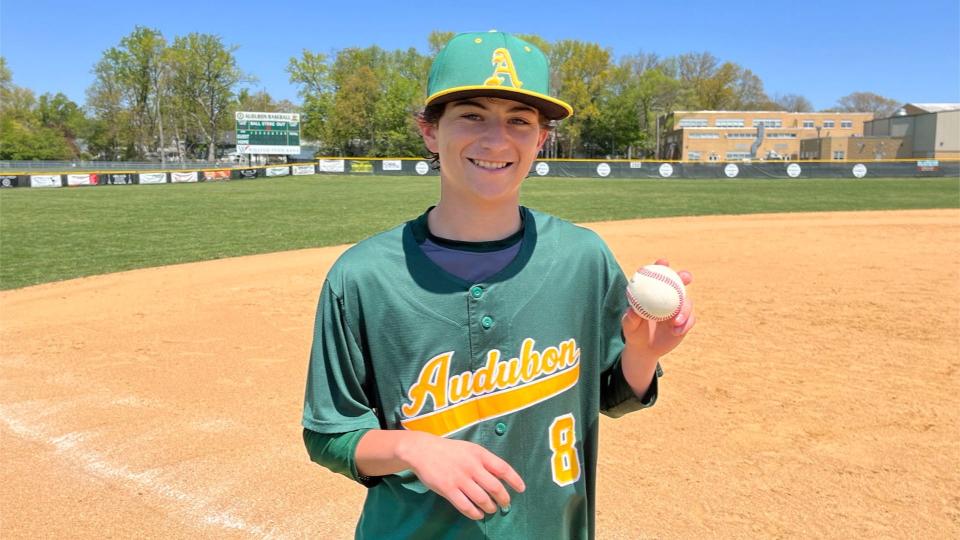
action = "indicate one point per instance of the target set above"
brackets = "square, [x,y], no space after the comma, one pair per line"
[268,133]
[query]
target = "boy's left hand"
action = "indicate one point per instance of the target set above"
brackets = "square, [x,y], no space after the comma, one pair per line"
[653,339]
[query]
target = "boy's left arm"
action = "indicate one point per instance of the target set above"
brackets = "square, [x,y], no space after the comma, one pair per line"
[648,341]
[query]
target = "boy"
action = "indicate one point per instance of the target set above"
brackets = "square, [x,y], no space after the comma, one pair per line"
[468,353]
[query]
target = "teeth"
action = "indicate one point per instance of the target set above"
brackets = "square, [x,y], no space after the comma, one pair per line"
[490,164]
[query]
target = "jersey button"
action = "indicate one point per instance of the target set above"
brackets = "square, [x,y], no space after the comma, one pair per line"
[476,291]
[500,428]
[486,321]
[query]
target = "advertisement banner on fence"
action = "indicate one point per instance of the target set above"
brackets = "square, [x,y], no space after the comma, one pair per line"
[118,179]
[303,170]
[216,175]
[45,180]
[9,180]
[330,165]
[928,165]
[392,165]
[153,178]
[357,166]
[81,179]
[278,171]
[248,173]
[183,177]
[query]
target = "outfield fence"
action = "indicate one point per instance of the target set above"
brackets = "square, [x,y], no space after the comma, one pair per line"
[44,166]
[119,173]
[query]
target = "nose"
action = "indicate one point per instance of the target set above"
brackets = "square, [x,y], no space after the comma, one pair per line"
[495,135]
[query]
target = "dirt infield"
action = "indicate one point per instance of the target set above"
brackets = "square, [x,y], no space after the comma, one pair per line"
[818,395]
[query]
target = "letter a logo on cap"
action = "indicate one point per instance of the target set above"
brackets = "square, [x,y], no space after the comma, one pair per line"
[502,63]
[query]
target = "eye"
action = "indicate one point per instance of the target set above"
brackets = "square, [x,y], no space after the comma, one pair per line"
[521,121]
[471,116]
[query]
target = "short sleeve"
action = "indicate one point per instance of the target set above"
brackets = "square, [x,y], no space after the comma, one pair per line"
[336,398]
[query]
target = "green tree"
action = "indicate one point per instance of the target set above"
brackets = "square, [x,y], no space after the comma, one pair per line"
[62,115]
[261,101]
[641,62]
[357,78]
[792,103]
[748,93]
[708,84]
[23,134]
[15,102]
[205,77]
[311,74]
[694,71]
[658,94]
[581,73]
[402,93]
[617,127]
[135,73]
[351,116]
[362,102]
[22,141]
[880,106]
[437,40]
[6,78]
[111,135]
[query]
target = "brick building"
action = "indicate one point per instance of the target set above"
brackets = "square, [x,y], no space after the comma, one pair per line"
[927,130]
[733,135]
[917,130]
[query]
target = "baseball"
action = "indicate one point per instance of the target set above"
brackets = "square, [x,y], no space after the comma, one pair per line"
[656,293]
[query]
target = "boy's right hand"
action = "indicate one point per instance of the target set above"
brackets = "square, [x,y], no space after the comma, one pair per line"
[466,474]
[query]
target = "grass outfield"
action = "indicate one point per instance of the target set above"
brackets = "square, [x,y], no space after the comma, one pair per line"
[54,234]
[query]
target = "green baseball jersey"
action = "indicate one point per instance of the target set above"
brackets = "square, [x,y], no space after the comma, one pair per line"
[521,363]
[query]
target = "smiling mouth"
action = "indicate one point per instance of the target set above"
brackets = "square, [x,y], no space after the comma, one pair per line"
[490,165]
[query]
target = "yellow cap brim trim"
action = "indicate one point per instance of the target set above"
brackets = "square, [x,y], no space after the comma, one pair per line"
[553,108]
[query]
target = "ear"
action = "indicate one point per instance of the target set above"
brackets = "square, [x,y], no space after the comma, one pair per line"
[542,138]
[429,133]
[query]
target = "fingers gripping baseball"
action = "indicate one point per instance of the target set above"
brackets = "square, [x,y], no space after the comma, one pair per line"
[467,475]
[659,337]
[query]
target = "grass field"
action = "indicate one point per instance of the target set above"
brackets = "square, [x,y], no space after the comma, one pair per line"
[54,234]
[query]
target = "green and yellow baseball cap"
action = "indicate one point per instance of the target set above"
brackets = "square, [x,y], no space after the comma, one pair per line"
[494,64]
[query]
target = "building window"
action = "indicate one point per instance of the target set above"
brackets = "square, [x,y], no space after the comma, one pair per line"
[781,135]
[838,154]
[729,122]
[846,124]
[704,135]
[828,123]
[767,122]
[737,156]
[693,156]
[809,124]
[741,135]
[692,122]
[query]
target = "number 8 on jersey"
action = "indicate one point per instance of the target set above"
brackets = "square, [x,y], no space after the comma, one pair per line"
[565,461]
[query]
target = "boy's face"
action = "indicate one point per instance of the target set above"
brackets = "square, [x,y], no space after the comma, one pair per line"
[486,147]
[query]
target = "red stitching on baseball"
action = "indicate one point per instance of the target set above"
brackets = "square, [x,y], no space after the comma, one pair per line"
[638,308]
[664,279]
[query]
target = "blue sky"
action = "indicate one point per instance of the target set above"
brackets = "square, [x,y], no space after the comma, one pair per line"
[821,50]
